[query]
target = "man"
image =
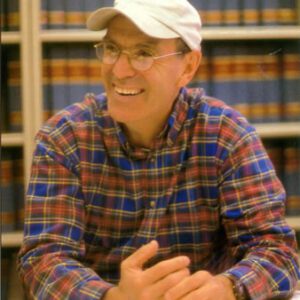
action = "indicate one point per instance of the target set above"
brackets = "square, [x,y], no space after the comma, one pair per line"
[153,191]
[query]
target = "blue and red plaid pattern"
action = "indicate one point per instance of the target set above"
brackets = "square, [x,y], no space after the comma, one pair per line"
[206,190]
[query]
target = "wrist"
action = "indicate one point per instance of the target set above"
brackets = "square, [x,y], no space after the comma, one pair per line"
[113,294]
[237,288]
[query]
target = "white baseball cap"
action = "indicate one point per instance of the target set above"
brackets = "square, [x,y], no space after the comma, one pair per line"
[161,19]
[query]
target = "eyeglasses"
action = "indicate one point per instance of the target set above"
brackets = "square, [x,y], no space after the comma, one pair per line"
[141,59]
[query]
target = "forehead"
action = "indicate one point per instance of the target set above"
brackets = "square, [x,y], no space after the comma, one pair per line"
[122,30]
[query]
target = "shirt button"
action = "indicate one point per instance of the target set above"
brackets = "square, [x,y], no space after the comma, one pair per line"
[152,204]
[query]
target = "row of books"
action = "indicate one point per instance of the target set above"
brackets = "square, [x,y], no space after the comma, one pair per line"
[11,89]
[12,189]
[261,81]
[72,14]
[10,15]
[247,12]
[285,156]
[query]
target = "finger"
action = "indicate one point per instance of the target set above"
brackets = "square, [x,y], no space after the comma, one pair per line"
[188,285]
[159,288]
[141,256]
[166,267]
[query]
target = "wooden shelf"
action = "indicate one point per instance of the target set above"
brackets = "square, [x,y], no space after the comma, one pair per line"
[278,130]
[10,37]
[294,222]
[11,239]
[12,139]
[215,33]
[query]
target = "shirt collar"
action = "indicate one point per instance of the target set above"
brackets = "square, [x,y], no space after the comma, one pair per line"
[167,136]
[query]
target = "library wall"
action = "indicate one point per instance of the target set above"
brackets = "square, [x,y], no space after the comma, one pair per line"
[251,60]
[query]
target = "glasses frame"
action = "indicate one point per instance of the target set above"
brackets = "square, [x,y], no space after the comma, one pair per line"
[130,56]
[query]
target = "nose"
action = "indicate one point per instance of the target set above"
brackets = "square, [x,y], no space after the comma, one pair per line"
[122,67]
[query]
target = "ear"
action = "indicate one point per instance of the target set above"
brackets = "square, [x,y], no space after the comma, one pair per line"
[192,62]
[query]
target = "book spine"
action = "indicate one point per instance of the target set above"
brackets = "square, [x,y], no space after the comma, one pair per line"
[77,65]
[255,84]
[202,76]
[94,73]
[292,177]
[14,89]
[46,79]
[74,14]
[58,74]
[222,68]
[271,76]
[13,15]
[7,191]
[44,14]
[3,15]
[291,81]
[56,14]
[90,6]
[4,113]
[214,13]
[270,12]
[240,79]
[18,174]
[232,13]
[288,12]
[250,13]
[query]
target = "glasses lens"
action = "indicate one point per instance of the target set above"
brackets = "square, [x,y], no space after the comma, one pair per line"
[141,59]
[107,53]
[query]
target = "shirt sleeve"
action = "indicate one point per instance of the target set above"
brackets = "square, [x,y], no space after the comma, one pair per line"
[253,208]
[50,261]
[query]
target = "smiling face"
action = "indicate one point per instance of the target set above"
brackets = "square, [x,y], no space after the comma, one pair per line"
[142,96]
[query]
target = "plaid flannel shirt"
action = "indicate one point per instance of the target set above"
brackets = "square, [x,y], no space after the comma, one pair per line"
[207,190]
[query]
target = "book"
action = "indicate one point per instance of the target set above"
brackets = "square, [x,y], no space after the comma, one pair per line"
[8,216]
[288,12]
[12,15]
[44,15]
[202,76]
[90,6]
[74,14]
[58,82]
[272,82]
[3,15]
[229,76]
[77,65]
[270,12]
[95,85]
[19,192]
[46,81]
[291,181]
[232,13]
[291,81]
[255,83]
[250,12]
[240,79]
[4,113]
[213,13]
[14,96]
[56,14]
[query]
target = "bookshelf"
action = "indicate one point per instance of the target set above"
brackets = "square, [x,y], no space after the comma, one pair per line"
[31,39]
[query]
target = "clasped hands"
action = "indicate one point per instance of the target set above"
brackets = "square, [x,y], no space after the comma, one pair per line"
[167,280]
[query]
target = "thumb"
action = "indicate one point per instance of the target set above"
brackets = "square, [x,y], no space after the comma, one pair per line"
[142,255]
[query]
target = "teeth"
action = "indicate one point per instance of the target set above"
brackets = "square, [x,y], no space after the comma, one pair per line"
[127,91]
